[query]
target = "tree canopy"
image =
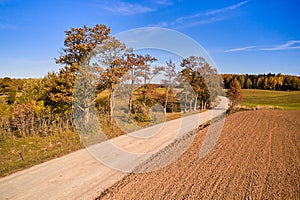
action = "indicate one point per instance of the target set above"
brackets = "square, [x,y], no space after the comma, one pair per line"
[234,92]
[79,44]
[264,81]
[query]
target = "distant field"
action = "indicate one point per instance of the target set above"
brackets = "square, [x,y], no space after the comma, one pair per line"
[285,100]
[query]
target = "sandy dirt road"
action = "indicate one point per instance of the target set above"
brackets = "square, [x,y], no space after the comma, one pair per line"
[257,157]
[80,175]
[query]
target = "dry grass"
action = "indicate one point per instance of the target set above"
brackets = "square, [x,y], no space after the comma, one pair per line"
[18,153]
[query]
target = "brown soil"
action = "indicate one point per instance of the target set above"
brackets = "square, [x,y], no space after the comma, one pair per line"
[257,157]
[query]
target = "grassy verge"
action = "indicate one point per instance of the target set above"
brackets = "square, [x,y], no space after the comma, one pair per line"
[20,153]
[289,100]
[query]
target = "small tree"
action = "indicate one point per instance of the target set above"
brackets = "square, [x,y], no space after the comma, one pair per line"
[146,74]
[11,97]
[169,81]
[34,89]
[112,54]
[234,92]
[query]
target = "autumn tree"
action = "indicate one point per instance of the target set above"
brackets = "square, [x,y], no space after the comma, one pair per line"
[11,97]
[136,65]
[201,77]
[59,90]
[79,43]
[5,85]
[10,87]
[213,84]
[248,83]
[112,55]
[33,90]
[85,92]
[241,79]
[141,74]
[146,74]
[191,74]
[280,79]
[234,92]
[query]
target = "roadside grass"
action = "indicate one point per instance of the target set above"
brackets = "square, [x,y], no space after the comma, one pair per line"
[20,153]
[287,100]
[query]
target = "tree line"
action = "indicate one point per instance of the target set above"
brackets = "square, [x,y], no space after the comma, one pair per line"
[44,106]
[264,81]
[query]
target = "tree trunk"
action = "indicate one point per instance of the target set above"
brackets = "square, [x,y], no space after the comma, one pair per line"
[130,104]
[130,95]
[195,104]
[185,100]
[145,94]
[111,104]
[166,101]
[202,104]
[86,116]
[191,102]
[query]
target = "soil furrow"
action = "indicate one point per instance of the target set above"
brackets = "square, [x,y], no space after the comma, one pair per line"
[256,157]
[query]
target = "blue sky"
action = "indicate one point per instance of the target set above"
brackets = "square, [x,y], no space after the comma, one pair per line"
[255,36]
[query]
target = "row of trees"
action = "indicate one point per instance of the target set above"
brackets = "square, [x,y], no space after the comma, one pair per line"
[264,81]
[112,63]
[95,63]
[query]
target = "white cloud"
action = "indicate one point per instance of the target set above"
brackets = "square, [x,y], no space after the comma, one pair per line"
[201,18]
[160,24]
[287,46]
[233,7]
[290,45]
[201,22]
[240,49]
[125,8]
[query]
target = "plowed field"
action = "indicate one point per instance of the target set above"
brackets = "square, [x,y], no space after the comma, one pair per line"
[257,157]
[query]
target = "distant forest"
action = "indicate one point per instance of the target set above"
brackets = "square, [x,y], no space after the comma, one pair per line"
[264,81]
